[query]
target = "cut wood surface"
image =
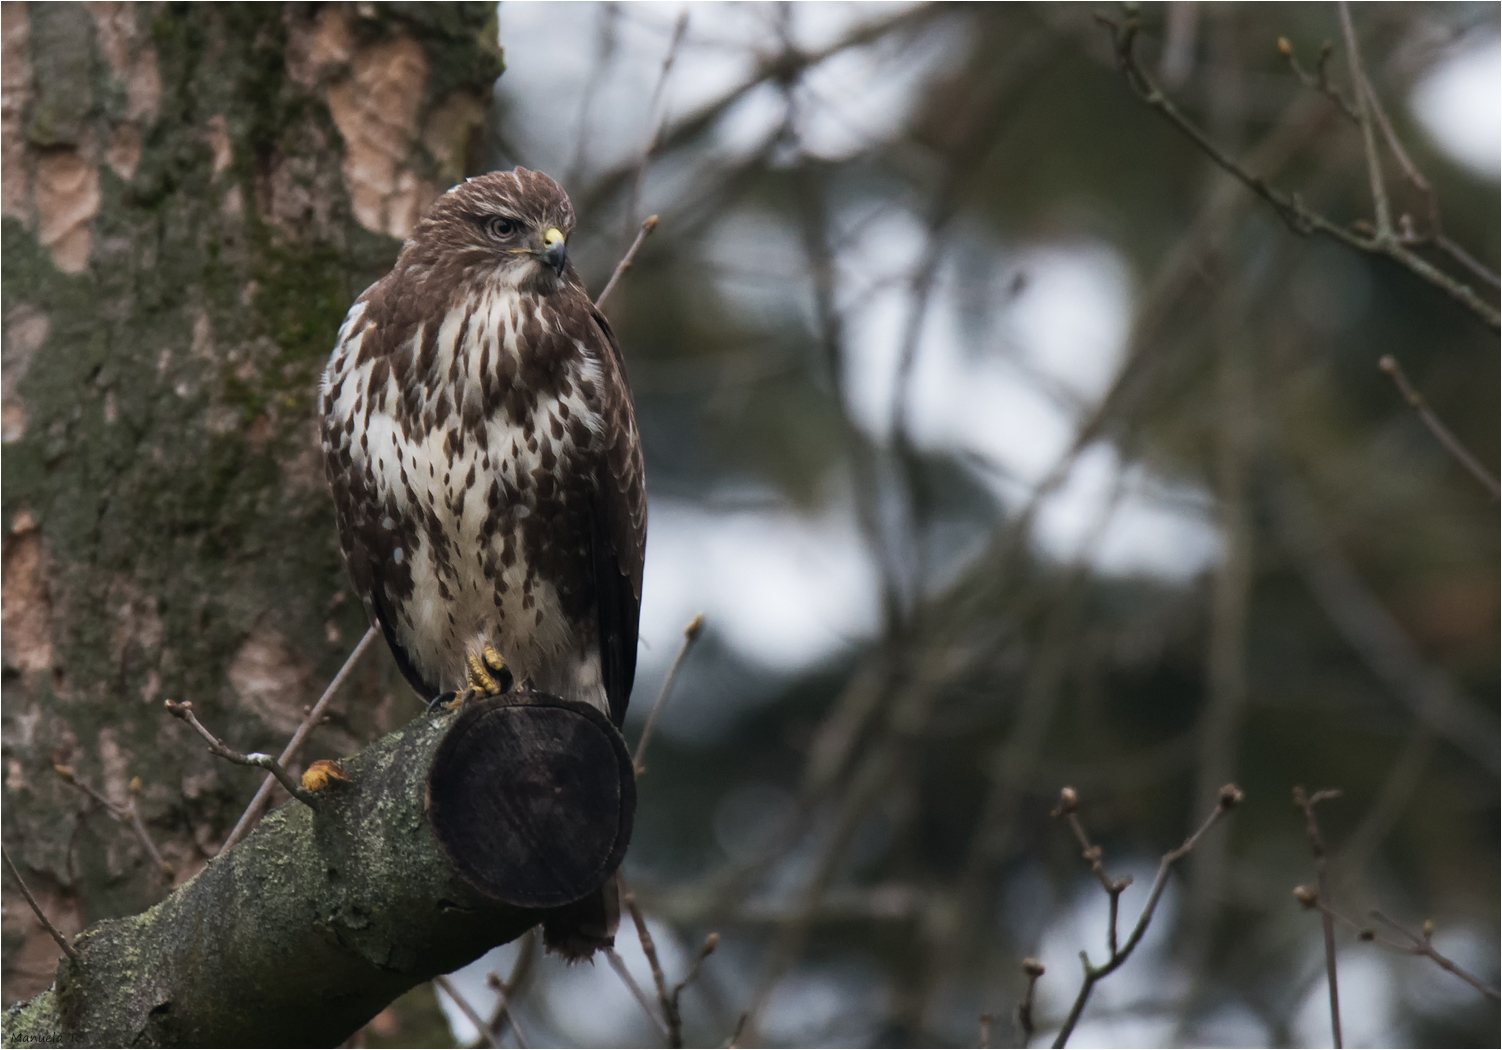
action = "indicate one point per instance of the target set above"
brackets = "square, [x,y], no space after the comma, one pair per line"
[533,799]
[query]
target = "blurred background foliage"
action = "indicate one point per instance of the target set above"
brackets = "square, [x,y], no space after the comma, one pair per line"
[1007,444]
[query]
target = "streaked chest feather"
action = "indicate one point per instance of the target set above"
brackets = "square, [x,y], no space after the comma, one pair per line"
[460,458]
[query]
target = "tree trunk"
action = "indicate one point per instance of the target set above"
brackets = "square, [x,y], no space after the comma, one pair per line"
[193,195]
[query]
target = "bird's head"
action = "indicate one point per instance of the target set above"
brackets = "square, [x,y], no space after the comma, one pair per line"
[508,228]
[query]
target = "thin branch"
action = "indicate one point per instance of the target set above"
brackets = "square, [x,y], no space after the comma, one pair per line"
[1033,970]
[690,636]
[1466,259]
[1068,808]
[252,811]
[1308,896]
[503,1011]
[619,966]
[1290,208]
[487,1037]
[1436,233]
[1410,169]
[165,866]
[705,951]
[604,51]
[668,1002]
[776,67]
[1447,438]
[1307,803]
[1363,89]
[1230,797]
[126,814]
[818,246]
[506,989]
[647,226]
[1424,945]
[1418,945]
[1319,80]
[657,113]
[67,775]
[62,942]
[184,711]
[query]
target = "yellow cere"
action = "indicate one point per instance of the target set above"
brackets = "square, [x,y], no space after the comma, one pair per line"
[552,236]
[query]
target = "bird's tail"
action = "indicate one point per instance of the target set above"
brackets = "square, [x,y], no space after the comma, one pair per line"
[578,930]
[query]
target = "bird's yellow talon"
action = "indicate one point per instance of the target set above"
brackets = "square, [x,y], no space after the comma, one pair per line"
[480,678]
[495,661]
[488,673]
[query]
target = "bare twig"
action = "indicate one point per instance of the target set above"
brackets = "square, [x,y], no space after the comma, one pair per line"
[1436,234]
[1424,945]
[606,41]
[619,966]
[986,1021]
[487,1037]
[1307,802]
[163,865]
[257,759]
[740,1028]
[252,811]
[1418,945]
[1319,80]
[775,67]
[1033,970]
[657,113]
[127,814]
[1410,172]
[667,999]
[1230,797]
[506,989]
[1363,89]
[675,1015]
[503,1011]
[62,942]
[1068,808]
[1466,259]
[647,226]
[1290,208]
[668,1003]
[1447,438]
[690,636]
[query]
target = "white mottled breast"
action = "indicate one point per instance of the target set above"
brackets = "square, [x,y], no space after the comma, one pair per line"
[420,491]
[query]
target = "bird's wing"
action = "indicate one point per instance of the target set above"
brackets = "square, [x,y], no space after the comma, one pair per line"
[367,545]
[619,532]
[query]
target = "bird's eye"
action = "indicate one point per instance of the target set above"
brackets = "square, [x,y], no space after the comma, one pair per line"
[501,227]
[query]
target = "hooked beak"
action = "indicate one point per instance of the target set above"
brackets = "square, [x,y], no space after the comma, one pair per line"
[554,251]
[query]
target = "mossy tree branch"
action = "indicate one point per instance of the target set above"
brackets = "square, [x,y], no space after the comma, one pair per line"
[321,917]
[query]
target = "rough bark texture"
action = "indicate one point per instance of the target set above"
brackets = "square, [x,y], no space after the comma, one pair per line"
[303,932]
[193,194]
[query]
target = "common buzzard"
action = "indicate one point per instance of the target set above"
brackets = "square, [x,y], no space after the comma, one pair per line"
[481,443]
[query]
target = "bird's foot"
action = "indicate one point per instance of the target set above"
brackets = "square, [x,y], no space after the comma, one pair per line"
[445,702]
[488,673]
